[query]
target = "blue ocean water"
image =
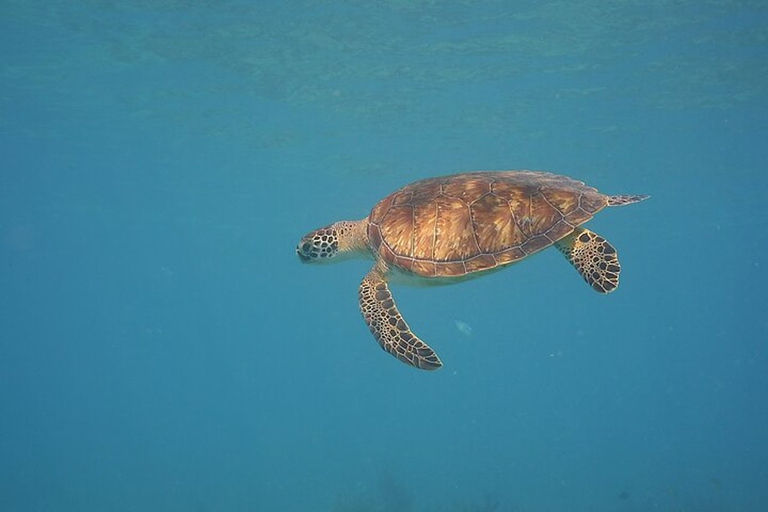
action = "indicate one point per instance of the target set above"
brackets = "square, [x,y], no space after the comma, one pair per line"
[162,348]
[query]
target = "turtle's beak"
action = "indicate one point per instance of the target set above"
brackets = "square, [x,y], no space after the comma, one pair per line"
[301,256]
[303,251]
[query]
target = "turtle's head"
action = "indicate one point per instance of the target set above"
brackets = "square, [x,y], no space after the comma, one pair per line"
[324,244]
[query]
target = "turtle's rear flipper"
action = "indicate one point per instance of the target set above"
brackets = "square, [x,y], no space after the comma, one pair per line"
[625,199]
[594,258]
[388,326]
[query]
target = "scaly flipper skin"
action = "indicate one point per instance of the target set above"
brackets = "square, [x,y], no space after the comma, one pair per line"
[593,257]
[387,324]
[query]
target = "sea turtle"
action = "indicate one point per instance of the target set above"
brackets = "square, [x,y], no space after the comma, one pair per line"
[445,229]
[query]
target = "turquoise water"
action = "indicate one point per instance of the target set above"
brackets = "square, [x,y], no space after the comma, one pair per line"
[162,348]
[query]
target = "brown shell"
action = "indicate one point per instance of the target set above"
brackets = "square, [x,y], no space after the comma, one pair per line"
[455,225]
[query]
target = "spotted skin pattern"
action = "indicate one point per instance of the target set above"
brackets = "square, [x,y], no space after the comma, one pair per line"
[388,326]
[323,243]
[593,257]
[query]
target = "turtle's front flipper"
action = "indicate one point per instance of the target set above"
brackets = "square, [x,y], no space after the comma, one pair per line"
[388,326]
[593,257]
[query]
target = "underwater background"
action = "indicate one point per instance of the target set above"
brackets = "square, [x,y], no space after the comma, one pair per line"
[162,348]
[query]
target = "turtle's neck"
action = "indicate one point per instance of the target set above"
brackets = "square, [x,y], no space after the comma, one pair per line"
[353,236]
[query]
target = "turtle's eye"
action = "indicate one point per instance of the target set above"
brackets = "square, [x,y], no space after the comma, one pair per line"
[305,251]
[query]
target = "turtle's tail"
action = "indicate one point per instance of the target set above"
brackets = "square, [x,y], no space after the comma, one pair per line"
[625,199]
